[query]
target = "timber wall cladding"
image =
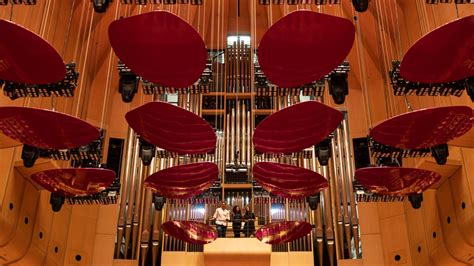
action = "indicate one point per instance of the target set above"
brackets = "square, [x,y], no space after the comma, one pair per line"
[31,234]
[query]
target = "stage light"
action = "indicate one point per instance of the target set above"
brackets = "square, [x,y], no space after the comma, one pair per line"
[415,200]
[323,151]
[338,87]
[159,202]
[360,5]
[147,152]
[313,202]
[56,202]
[128,86]
[470,87]
[440,153]
[29,154]
[100,6]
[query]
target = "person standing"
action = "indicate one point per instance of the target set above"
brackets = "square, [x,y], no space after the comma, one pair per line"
[236,221]
[222,216]
[249,226]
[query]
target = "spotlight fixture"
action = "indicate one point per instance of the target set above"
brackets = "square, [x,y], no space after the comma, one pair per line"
[440,153]
[313,202]
[470,87]
[147,152]
[360,5]
[56,202]
[323,151]
[100,6]
[128,86]
[415,200]
[29,154]
[338,87]
[128,83]
[158,201]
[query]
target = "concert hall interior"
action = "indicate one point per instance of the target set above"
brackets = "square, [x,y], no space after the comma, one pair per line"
[236,132]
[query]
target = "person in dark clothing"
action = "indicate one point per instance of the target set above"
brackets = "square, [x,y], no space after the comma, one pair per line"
[249,226]
[236,221]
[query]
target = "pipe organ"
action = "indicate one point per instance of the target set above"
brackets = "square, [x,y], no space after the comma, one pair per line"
[321,117]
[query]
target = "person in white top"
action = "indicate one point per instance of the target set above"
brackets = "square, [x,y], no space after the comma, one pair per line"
[222,216]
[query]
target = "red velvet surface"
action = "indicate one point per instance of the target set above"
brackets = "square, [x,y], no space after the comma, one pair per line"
[27,58]
[396,181]
[160,47]
[443,55]
[71,182]
[296,127]
[304,46]
[45,129]
[424,128]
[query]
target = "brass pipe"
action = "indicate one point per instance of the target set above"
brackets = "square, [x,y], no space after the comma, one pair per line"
[139,201]
[131,198]
[237,134]
[336,196]
[350,174]
[147,213]
[347,225]
[125,186]
[328,219]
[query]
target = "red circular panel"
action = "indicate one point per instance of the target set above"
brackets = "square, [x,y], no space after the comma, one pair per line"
[26,58]
[283,232]
[191,232]
[288,181]
[424,128]
[296,127]
[443,55]
[46,129]
[160,47]
[304,46]
[72,182]
[395,181]
[172,128]
[183,181]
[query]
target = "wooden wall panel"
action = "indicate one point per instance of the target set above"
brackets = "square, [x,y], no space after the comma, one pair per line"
[455,242]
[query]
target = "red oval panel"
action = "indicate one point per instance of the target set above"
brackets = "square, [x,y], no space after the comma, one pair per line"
[304,46]
[160,47]
[424,128]
[46,129]
[72,182]
[26,58]
[288,181]
[296,127]
[172,128]
[183,181]
[446,54]
[395,181]
[191,232]
[283,232]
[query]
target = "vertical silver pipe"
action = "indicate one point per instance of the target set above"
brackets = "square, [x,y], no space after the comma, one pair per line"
[127,159]
[350,173]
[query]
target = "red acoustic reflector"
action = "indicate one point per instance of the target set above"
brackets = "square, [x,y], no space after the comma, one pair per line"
[26,58]
[424,128]
[303,47]
[283,232]
[395,181]
[288,181]
[172,128]
[160,47]
[70,182]
[46,129]
[183,181]
[296,127]
[445,54]
[191,232]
